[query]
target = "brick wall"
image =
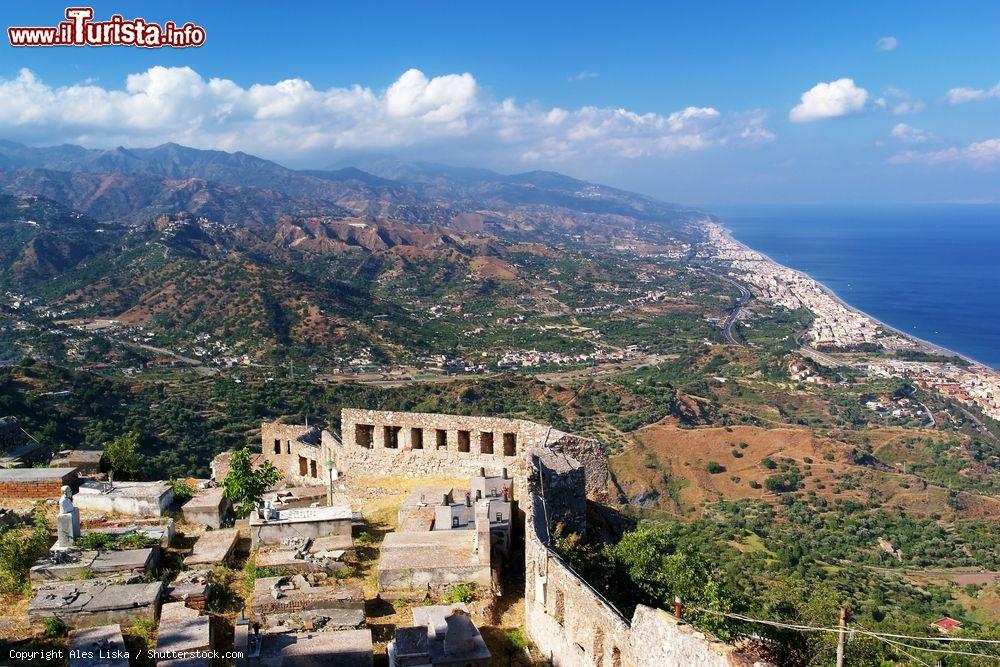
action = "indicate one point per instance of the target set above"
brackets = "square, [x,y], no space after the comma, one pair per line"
[38,488]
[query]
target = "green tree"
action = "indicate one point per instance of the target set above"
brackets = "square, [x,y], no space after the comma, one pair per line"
[122,455]
[244,485]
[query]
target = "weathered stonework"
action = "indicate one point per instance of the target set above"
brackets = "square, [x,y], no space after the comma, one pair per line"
[294,450]
[553,476]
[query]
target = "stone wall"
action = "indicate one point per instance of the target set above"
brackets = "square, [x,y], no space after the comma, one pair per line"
[296,450]
[659,638]
[561,483]
[574,626]
[571,623]
[377,442]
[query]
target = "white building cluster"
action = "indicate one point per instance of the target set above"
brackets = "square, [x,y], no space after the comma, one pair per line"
[838,326]
[835,326]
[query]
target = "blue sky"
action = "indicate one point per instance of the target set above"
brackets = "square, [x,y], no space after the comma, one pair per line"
[687,102]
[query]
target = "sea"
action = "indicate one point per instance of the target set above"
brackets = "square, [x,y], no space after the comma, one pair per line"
[929,270]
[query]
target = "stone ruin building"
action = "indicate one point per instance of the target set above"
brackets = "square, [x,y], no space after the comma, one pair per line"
[550,477]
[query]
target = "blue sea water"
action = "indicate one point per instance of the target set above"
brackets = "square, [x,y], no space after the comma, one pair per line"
[932,271]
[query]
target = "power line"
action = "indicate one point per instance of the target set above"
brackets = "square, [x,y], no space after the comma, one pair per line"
[929,650]
[933,639]
[888,638]
[777,624]
[897,646]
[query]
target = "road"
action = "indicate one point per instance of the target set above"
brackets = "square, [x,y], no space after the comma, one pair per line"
[911,393]
[197,364]
[820,357]
[980,426]
[727,326]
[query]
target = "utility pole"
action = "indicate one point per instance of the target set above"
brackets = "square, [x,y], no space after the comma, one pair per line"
[842,637]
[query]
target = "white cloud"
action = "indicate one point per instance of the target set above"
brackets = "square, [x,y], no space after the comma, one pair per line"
[908,107]
[979,153]
[441,99]
[292,119]
[910,134]
[829,100]
[887,44]
[898,102]
[963,95]
[584,75]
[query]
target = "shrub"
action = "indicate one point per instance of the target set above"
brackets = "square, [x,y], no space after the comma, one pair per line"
[461,593]
[95,541]
[516,640]
[19,549]
[140,633]
[183,491]
[110,541]
[54,627]
[714,467]
[768,463]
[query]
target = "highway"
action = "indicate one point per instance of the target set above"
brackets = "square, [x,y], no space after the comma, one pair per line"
[727,326]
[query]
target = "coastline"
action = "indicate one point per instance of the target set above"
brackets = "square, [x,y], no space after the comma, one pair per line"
[921,344]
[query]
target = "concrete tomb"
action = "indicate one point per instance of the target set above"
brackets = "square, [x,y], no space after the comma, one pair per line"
[442,636]
[90,603]
[270,526]
[35,482]
[208,507]
[144,499]
[101,646]
[183,630]
[192,587]
[124,566]
[86,461]
[214,547]
[434,560]
[344,648]
[323,554]
[307,602]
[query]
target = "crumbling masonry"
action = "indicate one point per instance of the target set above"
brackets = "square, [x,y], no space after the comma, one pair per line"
[554,474]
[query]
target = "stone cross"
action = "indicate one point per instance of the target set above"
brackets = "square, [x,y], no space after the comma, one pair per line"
[67,521]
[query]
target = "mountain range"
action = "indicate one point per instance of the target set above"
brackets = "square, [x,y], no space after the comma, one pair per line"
[186,241]
[129,184]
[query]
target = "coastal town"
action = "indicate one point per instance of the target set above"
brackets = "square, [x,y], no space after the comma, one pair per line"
[838,328]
